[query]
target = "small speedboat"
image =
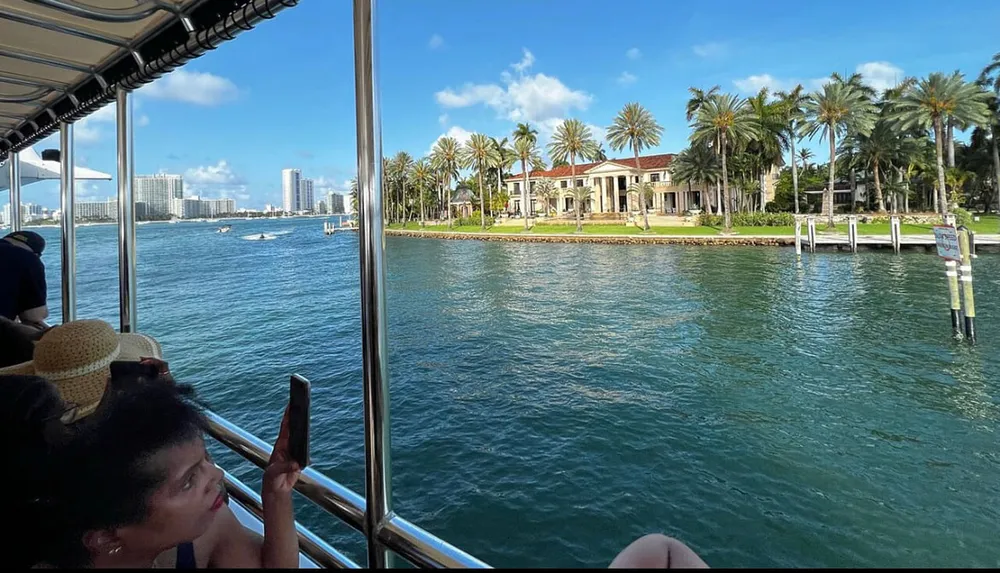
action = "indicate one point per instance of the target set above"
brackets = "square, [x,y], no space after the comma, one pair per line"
[225,229]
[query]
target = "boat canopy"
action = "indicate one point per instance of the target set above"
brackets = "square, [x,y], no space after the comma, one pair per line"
[35,169]
[63,59]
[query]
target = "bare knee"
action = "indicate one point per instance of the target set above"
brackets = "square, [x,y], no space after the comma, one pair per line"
[657,551]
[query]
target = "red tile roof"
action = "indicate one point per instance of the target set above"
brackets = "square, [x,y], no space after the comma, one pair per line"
[661,161]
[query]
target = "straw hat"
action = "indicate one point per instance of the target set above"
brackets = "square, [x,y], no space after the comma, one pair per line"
[76,358]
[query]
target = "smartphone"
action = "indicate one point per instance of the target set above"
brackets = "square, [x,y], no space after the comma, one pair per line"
[130,371]
[298,420]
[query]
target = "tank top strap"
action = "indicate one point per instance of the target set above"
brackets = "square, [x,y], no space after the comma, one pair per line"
[185,556]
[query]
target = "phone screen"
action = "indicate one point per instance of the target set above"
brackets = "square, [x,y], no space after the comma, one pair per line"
[130,371]
[298,420]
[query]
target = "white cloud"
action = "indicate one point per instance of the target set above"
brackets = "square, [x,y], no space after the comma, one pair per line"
[435,42]
[709,50]
[626,79]
[219,174]
[534,98]
[443,119]
[199,88]
[753,84]
[526,62]
[323,185]
[880,75]
[143,121]
[459,133]
[633,54]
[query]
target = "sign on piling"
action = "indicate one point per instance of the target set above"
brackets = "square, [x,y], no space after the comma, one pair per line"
[946,238]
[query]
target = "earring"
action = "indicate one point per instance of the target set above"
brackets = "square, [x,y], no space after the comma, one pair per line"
[115,550]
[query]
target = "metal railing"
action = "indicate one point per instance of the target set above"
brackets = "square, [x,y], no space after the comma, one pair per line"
[385,532]
[411,542]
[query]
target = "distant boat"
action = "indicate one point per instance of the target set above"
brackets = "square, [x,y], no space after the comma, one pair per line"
[225,229]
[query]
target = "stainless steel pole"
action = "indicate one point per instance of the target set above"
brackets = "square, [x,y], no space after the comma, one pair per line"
[67,199]
[14,164]
[126,215]
[378,494]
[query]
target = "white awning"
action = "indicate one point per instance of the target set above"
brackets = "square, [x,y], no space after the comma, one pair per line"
[35,169]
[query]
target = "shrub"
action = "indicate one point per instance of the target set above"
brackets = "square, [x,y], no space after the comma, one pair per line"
[763,219]
[962,217]
[707,219]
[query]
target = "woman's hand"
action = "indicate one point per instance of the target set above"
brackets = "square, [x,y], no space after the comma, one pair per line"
[282,472]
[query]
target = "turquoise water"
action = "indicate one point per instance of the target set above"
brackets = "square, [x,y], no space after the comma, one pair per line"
[550,403]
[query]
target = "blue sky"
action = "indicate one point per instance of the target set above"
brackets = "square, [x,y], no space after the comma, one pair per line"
[282,95]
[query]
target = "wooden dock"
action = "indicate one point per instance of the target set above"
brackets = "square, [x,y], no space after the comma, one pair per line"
[989,243]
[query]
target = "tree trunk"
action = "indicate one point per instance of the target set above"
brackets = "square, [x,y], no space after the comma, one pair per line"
[447,202]
[576,198]
[996,163]
[951,142]
[718,197]
[525,207]
[482,204]
[879,201]
[499,187]
[422,206]
[938,148]
[828,195]
[727,220]
[795,173]
[642,196]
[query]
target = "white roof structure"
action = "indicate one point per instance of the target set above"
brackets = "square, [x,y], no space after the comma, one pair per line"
[35,169]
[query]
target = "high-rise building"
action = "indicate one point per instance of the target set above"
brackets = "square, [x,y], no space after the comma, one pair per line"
[97,210]
[158,191]
[335,202]
[307,199]
[291,200]
[195,207]
[321,207]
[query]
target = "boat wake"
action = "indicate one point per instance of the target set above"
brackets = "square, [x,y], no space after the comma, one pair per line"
[260,237]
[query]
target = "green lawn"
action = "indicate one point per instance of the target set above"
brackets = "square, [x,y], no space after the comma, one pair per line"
[987,224]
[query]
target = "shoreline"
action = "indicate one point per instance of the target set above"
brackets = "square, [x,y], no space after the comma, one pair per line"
[519,237]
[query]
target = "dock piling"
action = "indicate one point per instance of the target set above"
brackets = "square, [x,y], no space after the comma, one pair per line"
[894,233]
[951,271]
[798,237]
[811,229]
[966,278]
[852,232]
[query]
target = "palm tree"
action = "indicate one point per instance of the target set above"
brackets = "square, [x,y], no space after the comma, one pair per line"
[731,120]
[990,79]
[422,178]
[635,127]
[792,103]
[400,167]
[544,189]
[696,164]
[579,194]
[804,156]
[446,158]
[573,139]
[599,154]
[354,196]
[874,151]
[767,148]
[835,109]
[504,159]
[929,102]
[479,153]
[698,99]
[527,152]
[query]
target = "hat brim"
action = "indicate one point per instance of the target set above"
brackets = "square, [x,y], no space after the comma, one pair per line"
[132,348]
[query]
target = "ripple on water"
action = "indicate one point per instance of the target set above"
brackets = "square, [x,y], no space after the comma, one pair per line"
[552,402]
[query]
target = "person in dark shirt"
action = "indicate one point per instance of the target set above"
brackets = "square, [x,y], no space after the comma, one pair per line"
[22,278]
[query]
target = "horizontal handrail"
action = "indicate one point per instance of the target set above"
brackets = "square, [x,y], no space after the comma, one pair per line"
[311,544]
[411,542]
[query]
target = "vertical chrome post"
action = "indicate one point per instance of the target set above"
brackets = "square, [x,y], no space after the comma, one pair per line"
[67,199]
[378,494]
[126,214]
[14,165]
